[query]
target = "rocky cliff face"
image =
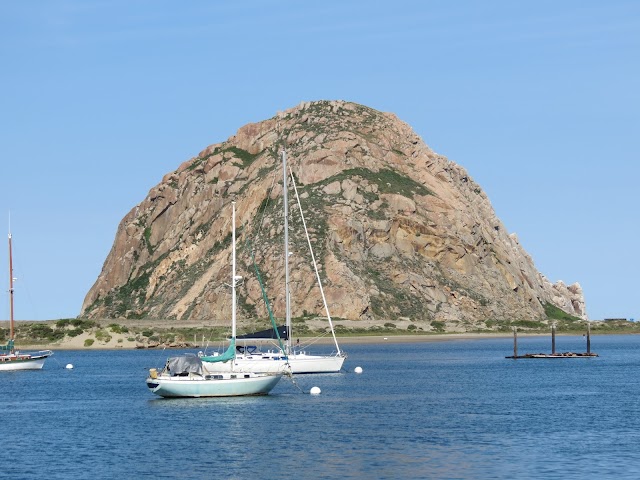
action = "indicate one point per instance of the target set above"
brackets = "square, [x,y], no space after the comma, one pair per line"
[398,231]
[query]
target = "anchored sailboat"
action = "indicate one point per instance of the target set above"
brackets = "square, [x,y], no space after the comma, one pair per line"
[10,358]
[250,358]
[184,376]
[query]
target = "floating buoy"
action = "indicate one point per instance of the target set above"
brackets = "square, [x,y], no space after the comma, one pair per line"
[315,391]
[69,366]
[358,369]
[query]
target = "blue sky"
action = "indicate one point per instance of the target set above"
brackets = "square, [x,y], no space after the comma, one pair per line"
[539,101]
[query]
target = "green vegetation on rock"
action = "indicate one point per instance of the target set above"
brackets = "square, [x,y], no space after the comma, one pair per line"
[554,313]
[387,181]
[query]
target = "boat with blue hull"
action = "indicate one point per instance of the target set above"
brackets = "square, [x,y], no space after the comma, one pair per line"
[183,376]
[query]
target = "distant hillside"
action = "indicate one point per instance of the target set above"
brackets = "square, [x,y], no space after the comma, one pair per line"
[399,231]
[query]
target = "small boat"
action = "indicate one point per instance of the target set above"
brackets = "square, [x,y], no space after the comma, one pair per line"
[254,359]
[184,375]
[250,358]
[10,358]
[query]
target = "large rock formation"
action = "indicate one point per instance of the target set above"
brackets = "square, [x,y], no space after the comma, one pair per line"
[398,231]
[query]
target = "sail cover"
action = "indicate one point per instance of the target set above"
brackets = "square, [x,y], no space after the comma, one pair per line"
[269,334]
[184,364]
[8,347]
[229,354]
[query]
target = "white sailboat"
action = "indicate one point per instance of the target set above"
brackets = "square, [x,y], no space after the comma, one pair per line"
[184,376]
[299,361]
[10,358]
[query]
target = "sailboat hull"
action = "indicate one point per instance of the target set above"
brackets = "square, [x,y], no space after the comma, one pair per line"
[270,362]
[302,363]
[13,362]
[224,386]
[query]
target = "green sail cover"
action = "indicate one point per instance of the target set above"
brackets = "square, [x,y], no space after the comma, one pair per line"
[229,354]
[8,347]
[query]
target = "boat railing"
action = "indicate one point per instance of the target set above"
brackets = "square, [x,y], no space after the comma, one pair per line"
[41,353]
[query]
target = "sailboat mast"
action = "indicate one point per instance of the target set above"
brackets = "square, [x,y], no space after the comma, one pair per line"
[10,290]
[287,298]
[233,279]
[233,273]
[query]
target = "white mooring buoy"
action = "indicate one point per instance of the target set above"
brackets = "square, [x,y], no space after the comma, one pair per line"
[358,369]
[69,366]
[315,391]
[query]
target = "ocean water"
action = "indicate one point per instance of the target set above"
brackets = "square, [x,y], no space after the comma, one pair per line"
[449,409]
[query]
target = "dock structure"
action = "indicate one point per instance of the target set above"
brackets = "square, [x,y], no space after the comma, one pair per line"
[553,353]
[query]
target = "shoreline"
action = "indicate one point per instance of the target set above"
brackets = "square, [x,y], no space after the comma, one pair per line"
[96,337]
[118,343]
